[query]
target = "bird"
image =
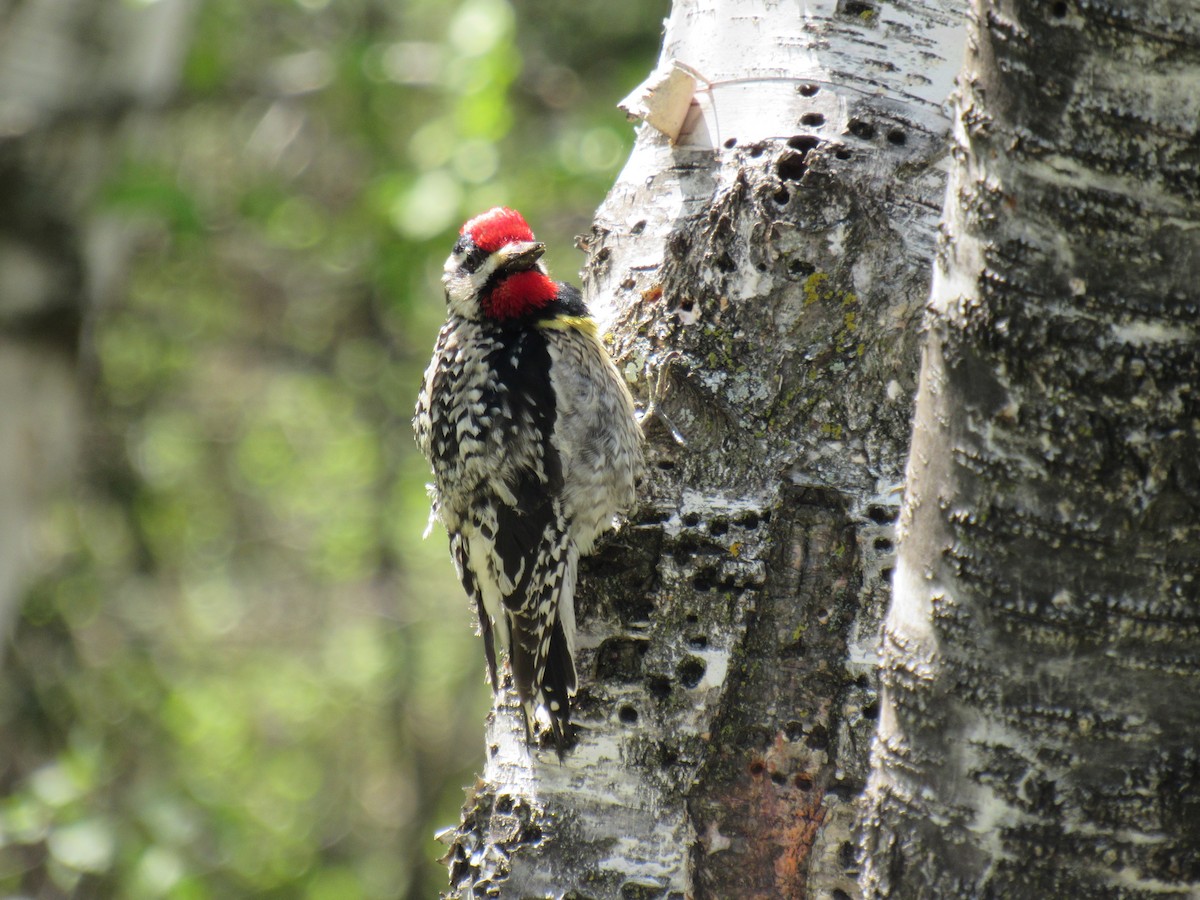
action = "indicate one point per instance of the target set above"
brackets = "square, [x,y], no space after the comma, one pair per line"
[534,443]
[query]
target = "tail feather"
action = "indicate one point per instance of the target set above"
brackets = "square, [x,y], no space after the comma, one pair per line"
[544,679]
[558,685]
[525,564]
[520,659]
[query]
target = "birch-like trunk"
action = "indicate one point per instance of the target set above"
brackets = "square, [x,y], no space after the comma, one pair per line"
[763,279]
[1041,702]
[70,71]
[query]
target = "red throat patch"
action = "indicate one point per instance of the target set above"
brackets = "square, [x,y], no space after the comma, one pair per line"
[498,226]
[519,294]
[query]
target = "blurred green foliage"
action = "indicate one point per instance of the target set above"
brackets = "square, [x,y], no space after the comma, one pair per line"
[245,674]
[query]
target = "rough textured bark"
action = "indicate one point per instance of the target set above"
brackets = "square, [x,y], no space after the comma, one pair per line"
[1042,684]
[763,278]
[69,71]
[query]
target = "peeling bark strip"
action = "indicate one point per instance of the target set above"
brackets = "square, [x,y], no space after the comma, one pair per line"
[1042,685]
[763,278]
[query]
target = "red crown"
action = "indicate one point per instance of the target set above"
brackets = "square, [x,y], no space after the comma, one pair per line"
[498,226]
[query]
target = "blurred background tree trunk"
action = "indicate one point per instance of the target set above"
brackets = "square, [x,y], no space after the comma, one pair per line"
[1041,692]
[71,75]
[762,278]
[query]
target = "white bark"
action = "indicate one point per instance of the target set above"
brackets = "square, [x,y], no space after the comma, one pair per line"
[69,71]
[1040,705]
[762,277]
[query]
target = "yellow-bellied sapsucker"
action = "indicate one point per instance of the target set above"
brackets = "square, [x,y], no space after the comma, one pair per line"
[531,434]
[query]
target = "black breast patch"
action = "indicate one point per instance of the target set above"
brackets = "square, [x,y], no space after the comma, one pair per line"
[522,389]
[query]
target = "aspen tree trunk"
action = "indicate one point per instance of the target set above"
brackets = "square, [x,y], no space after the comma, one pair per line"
[1041,700]
[763,278]
[70,71]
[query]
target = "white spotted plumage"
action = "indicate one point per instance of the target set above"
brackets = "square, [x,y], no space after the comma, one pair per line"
[532,437]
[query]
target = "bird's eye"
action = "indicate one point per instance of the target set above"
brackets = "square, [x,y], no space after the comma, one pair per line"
[475,259]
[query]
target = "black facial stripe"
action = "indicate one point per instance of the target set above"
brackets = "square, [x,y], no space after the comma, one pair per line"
[473,257]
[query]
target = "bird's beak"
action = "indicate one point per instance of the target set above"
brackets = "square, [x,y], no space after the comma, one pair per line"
[521,255]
